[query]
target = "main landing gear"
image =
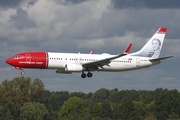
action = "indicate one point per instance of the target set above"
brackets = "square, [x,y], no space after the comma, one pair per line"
[89,74]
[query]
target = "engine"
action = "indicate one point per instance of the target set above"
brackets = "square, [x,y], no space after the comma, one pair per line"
[62,71]
[73,68]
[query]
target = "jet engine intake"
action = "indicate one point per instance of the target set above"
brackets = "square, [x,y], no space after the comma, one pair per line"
[73,68]
[62,71]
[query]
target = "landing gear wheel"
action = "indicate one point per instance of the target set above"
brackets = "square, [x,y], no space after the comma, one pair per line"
[83,75]
[89,74]
[22,73]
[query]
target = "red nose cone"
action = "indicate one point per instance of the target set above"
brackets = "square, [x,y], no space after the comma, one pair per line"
[9,61]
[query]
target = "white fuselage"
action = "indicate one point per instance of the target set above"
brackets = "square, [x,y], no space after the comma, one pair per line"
[59,60]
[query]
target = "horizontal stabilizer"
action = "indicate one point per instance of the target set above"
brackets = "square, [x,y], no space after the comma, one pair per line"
[162,58]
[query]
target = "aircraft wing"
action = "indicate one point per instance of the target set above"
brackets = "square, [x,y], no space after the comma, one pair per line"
[100,63]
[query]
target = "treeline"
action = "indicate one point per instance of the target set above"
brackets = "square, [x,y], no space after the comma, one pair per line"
[26,99]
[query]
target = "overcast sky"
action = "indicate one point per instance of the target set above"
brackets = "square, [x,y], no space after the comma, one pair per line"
[106,26]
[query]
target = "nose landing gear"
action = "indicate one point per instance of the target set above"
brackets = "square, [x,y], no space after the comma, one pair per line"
[19,68]
[22,72]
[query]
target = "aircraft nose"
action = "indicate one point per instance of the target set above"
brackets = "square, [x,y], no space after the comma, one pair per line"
[9,61]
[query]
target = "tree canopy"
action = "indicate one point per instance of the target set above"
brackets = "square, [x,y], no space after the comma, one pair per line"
[27,99]
[32,111]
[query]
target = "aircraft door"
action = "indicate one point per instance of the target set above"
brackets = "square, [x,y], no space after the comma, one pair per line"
[28,58]
[137,62]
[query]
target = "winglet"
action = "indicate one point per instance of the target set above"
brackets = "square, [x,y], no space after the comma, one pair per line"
[127,50]
[92,52]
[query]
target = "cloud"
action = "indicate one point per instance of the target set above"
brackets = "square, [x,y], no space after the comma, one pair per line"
[160,4]
[32,3]
[173,47]
[66,2]
[10,3]
[97,43]
[21,20]
[83,25]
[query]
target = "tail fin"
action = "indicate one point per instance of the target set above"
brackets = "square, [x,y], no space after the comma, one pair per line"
[153,47]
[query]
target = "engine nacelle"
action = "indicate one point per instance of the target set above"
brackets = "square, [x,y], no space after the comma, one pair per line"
[62,71]
[73,68]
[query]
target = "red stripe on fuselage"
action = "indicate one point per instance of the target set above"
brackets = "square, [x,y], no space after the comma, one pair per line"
[31,60]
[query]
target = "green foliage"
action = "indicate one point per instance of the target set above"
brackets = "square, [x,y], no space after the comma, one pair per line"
[101,95]
[18,91]
[150,116]
[141,109]
[5,113]
[96,109]
[128,110]
[115,111]
[33,111]
[54,100]
[36,90]
[167,104]
[106,111]
[71,109]
[114,96]
[23,98]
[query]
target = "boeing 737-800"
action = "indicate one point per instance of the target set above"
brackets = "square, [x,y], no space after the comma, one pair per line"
[66,63]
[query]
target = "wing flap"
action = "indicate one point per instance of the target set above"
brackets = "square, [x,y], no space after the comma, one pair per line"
[100,63]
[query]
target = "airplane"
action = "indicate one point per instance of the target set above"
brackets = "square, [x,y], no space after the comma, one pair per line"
[67,63]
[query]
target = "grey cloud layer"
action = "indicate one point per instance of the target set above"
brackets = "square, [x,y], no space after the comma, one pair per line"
[121,4]
[83,25]
[10,3]
[151,4]
[21,20]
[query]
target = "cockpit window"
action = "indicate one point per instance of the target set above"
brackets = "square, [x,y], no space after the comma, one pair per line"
[16,56]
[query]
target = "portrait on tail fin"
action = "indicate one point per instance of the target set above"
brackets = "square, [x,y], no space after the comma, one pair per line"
[156,45]
[153,47]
